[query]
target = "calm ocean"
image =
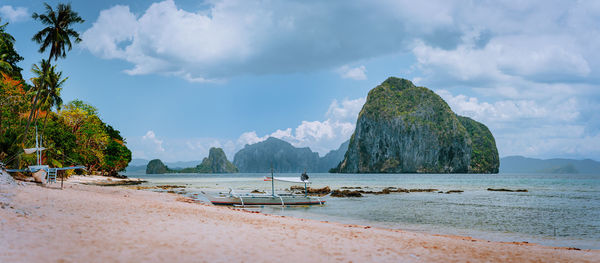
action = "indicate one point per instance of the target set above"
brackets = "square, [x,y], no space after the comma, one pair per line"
[557,210]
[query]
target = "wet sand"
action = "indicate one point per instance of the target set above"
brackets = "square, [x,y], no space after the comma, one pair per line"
[85,223]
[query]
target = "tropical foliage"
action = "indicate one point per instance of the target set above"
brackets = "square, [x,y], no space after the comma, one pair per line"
[74,134]
[8,55]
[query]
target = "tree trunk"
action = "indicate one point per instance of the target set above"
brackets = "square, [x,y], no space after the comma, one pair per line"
[1,107]
[44,125]
[31,114]
[46,117]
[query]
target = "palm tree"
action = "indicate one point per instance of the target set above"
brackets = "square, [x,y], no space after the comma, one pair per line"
[5,40]
[4,66]
[57,35]
[8,55]
[52,96]
[40,83]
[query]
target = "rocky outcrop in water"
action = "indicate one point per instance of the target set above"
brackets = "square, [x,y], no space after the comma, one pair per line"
[156,166]
[216,162]
[403,128]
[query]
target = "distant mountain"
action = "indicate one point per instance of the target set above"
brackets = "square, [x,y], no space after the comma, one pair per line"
[520,164]
[333,158]
[285,158]
[136,168]
[138,162]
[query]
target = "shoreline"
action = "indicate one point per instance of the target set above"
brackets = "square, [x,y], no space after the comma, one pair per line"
[48,224]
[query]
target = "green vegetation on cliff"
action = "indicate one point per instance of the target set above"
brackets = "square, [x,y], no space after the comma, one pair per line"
[403,128]
[484,154]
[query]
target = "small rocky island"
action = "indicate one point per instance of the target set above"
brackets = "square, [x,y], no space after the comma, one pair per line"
[216,162]
[156,166]
[403,128]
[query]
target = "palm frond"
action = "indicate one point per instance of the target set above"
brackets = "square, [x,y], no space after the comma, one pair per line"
[57,34]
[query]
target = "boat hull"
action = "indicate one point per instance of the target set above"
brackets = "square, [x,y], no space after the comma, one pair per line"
[245,200]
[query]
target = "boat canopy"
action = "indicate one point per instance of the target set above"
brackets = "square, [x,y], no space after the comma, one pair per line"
[32,150]
[288,179]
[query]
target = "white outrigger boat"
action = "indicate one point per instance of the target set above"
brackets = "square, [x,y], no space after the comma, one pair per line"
[254,199]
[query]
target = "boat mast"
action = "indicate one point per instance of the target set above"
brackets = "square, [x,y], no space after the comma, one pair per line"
[272,182]
[37,147]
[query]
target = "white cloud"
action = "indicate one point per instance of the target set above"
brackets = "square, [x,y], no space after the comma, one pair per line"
[532,128]
[357,73]
[151,138]
[250,138]
[13,14]
[347,110]
[506,57]
[512,110]
[114,26]
[320,136]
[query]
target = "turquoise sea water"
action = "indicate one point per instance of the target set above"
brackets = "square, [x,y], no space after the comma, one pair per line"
[557,210]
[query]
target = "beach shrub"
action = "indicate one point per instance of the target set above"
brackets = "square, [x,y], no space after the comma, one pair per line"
[116,155]
[99,146]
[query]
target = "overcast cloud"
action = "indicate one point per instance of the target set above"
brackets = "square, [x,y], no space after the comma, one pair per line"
[527,69]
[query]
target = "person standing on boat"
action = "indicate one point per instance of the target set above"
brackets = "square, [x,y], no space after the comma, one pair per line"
[304,176]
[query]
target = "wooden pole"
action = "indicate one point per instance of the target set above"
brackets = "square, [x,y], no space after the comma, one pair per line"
[62,179]
[305,190]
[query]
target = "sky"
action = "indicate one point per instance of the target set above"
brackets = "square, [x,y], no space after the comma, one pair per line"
[177,77]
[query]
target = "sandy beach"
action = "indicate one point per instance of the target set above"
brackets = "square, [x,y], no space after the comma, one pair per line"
[85,223]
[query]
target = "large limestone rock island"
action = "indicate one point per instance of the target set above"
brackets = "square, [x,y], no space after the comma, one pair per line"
[403,128]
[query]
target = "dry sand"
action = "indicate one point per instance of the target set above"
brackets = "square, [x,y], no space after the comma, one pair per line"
[84,223]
